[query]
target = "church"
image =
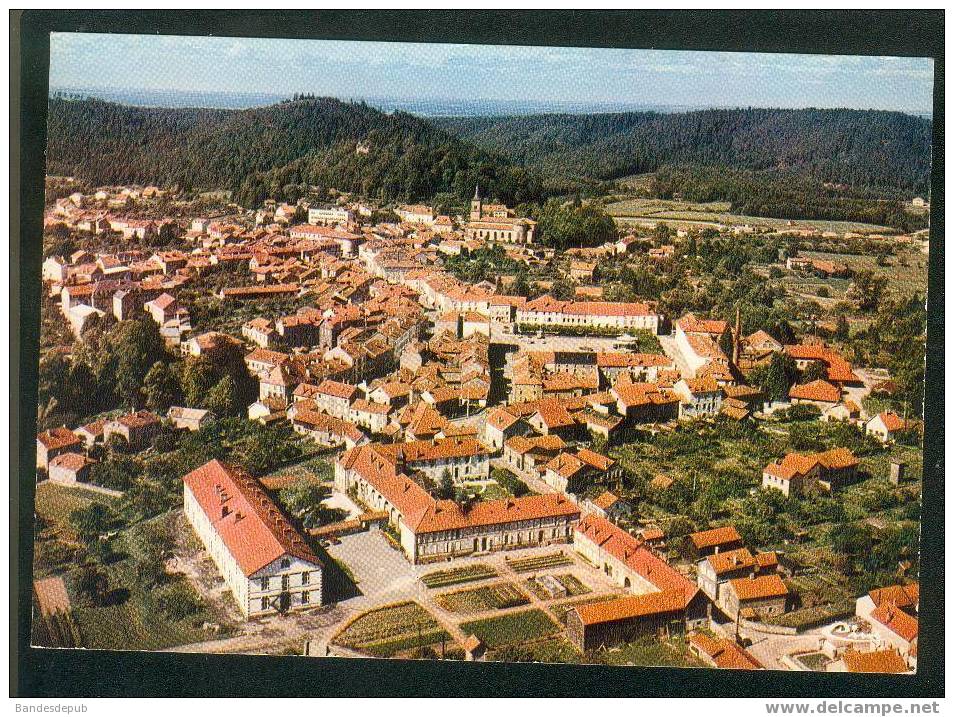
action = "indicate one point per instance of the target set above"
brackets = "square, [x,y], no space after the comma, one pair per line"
[495,223]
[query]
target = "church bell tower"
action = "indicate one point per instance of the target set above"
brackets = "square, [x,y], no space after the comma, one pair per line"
[476,206]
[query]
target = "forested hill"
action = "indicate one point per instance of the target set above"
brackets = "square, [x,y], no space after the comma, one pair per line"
[275,151]
[887,150]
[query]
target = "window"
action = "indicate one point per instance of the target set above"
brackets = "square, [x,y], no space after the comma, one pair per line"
[304,578]
[305,597]
[285,562]
[264,584]
[264,603]
[284,582]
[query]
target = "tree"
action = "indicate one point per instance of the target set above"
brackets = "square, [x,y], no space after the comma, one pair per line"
[842,329]
[445,488]
[137,346]
[92,586]
[92,521]
[160,387]
[867,290]
[814,371]
[198,378]
[779,377]
[223,399]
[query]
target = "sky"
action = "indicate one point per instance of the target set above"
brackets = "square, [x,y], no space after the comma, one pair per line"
[349,69]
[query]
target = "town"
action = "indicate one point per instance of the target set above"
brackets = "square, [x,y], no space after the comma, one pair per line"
[344,427]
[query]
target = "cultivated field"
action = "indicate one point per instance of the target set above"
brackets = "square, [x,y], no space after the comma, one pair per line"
[486,597]
[388,630]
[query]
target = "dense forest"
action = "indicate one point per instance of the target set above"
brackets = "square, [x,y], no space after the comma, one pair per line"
[278,151]
[820,164]
[887,150]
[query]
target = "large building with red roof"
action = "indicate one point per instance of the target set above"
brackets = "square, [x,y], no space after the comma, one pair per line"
[263,559]
[664,600]
[433,529]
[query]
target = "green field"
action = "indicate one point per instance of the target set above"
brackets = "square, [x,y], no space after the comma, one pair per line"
[903,280]
[711,213]
[539,562]
[651,652]
[512,629]
[458,576]
[389,630]
[131,618]
[486,597]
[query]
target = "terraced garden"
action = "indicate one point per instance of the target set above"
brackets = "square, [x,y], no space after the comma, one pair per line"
[539,562]
[486,597]
[458,576]
[570,582]
[389,630]
[513,628]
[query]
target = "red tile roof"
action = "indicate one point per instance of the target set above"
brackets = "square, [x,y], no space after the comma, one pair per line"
[724,653]
[818,390]
[759,588]
[715,537]
[901,595]
[57,438]
[633,606]
[896,620]
[635,555]
[253,530]
[886,661]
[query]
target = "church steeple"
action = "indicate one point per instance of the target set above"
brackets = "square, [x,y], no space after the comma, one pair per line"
[476,206]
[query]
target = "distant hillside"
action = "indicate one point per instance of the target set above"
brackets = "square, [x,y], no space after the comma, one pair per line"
[275,151]
[866,149]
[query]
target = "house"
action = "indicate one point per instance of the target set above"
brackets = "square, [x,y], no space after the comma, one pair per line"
[266,563]
[191,419]
[610,506]
[335,398]
[799,474]
[888,661]
[260,332]
[91,433]
[819,393]
[665,601]
[526,453]
[716,540]
[567,471]
[370,415]
[212,344]
[51,443]
[325,430]
[892,614]
[432,529]
[70,468]
[885,426]
[645,402]
[162,309]
[721,652]
[474,649]
[136,429]
[715,570]
[698,397]
[761,597]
